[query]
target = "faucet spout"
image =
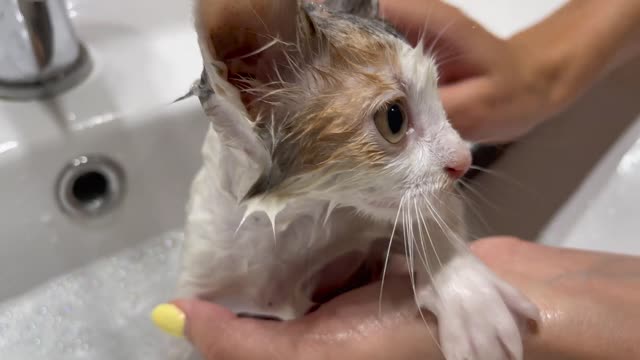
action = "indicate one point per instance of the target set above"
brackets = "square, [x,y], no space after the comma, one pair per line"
[38,25]
[41,55]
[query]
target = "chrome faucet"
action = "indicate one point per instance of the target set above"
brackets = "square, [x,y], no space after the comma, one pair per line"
[40,54]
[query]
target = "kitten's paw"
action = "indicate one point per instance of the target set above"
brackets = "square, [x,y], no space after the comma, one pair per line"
[480,317]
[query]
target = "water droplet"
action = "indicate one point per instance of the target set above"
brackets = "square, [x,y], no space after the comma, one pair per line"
[37,341]
[44,310]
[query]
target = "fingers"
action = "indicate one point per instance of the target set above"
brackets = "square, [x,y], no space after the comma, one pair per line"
[434,20]
[218,334]
[417,18]
[467,104]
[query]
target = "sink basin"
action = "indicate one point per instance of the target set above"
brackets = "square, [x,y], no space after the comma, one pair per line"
[78,283]
[603,213]
[89,282]
[158,153]
[141,64]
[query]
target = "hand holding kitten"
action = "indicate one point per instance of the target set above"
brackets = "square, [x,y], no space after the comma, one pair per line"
[349,327]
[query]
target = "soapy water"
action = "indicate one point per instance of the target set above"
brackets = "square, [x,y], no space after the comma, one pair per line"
[98,312]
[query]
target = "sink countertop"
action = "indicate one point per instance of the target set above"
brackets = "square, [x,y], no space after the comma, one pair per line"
[604,213]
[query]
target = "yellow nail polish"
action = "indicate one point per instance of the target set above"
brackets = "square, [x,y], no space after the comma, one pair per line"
[169,318]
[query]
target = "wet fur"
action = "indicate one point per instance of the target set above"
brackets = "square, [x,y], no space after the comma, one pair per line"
[296,175]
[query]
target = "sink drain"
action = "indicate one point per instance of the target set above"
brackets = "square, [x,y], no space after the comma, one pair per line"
[90,186]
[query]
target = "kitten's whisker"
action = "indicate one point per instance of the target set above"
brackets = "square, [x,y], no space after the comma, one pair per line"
[452,193]
[505,177]
[413,281]
[386,260]
[435,252]
[478,194]
[448,233]
[430,273]
[457,216]
[473,206]
[407,245]
[438,219]
[420,221]
[468,203]
[453,237]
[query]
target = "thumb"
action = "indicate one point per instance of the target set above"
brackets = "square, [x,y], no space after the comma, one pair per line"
[218,334]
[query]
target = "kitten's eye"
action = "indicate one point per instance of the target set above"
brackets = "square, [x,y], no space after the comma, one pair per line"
[391,123]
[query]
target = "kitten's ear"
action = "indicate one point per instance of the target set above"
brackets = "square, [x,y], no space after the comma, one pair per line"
[363,8]
[244,39]
[240,40]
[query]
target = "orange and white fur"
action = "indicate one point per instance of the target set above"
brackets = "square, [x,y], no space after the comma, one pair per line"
[327,136]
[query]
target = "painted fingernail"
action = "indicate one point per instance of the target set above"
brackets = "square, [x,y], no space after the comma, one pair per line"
[170,319]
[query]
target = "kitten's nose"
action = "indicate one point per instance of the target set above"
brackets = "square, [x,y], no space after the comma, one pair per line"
[459,163]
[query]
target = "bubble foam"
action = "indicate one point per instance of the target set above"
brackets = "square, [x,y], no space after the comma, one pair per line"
[98,312]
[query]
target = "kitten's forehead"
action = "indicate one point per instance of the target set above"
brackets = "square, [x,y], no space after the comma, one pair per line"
[376,42]
[419,70]
[342,25]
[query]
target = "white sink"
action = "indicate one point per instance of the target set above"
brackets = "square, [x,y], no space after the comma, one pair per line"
[141,63]
[75,289]
[604,212]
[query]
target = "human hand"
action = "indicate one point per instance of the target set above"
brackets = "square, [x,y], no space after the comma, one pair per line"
[496,90]
[491,92]
[347,327]
[588,300]
[588,303]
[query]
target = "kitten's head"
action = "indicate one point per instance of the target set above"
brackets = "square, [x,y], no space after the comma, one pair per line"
[343,106]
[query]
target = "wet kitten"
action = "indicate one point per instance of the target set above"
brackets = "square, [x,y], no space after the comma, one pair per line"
[327,136]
